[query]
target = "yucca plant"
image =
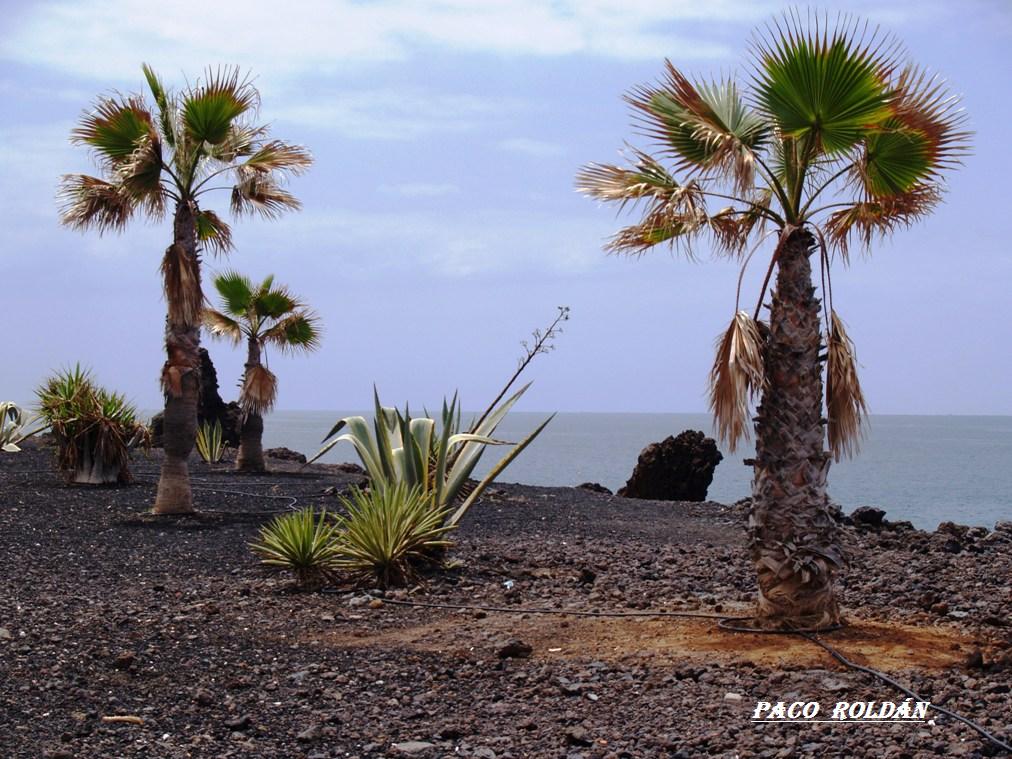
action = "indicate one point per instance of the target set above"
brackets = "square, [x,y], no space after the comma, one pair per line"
[389,533]
[837,140]
[412,451]
[210,441]
[171,154]
[263,315]
[94,428]
[13,424]
[302,542]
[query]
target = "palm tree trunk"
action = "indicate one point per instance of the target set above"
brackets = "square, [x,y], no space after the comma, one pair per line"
[792,534]
[251,451]
[181,373]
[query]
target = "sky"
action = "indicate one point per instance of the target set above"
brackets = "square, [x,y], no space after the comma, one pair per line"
[440,223]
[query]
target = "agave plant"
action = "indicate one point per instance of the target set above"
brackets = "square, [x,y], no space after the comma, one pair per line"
[302,542]
[13,422]
[388,532]
[210,441]
[94,428]
[401,449]
[833,141]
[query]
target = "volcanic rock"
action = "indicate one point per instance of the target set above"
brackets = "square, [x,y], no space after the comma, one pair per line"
[285,454]
[675,469]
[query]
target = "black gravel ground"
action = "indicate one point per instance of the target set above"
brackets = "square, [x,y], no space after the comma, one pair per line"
[171,626]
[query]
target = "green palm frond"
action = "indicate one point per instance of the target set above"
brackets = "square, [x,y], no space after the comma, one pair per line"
[822,86]
[923,104]
[274,303]
[236,290]
[210,109]
[88,202]
[167,113]
[706,126]
[113,128]
[299,331]
[214,232]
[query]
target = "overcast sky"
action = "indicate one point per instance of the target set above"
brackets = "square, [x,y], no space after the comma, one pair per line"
[440,225]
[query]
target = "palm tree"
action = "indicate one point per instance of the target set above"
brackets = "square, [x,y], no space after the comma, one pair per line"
[264,315]
[189,144]
[836,141]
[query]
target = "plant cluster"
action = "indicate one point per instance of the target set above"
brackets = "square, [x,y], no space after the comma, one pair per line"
[94,427]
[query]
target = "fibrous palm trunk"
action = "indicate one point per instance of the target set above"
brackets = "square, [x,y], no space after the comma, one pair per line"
[791,530]
[251,451]
[181,373]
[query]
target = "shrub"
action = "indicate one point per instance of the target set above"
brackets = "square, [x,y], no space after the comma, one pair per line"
[210,441]
[94,428]
[12,427]
[302,542]
[389,532]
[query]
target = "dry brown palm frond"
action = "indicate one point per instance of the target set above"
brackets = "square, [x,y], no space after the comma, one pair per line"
[879,216]
[89,202]
[845,402]
[181,282]
[645,178]
[278,156]
[259,390]
[260,193]
[140,174]
[922,103]
[220,325]
[730,228]
[738,375]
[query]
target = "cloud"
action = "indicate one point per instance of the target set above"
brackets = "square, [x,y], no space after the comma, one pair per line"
[530,147]
[103,39]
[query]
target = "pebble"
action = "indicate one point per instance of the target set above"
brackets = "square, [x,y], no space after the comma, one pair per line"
[411,748]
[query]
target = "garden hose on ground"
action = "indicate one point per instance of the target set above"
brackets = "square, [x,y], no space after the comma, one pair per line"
[725,623]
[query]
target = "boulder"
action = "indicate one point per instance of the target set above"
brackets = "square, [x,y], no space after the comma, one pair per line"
[868,515]
[210,407]
[675,469]
[594,487]
[285,454]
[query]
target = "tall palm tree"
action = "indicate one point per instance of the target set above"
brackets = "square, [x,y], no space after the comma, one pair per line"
[201,139]
[836,141]
[263,315]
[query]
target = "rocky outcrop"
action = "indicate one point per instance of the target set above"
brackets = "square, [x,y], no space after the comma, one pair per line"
[285,454]
[675,469]
[210,406]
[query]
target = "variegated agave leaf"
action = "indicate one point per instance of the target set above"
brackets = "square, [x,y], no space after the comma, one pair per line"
[738,374]
[844,400]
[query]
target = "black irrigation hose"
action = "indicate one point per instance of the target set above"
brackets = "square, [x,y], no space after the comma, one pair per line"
[888,680]
[722,623]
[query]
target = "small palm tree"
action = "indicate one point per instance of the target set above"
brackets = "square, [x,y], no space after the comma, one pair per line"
[264,314]
[189,144]
[836,142]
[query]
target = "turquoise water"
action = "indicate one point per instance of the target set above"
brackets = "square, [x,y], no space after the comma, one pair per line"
[926,469]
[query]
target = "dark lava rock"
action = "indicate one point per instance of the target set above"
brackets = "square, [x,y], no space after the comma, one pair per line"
[349,468]
[578,736]
[676,469]
[515,649]
[594,487]
[210,407]
[239,723]
[285,454]
[587,576]
[868,515]
[957,531]
[125,660]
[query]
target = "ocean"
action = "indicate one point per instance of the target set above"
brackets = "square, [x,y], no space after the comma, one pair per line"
[926,469]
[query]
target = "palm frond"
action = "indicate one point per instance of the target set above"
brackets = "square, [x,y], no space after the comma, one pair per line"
[88,202]
[210,109]
[167,114]
[260,193]
[922,103]
[277,156]
[822,85]
[214,232]
[140,175]
[878,216]
[113,128]
[706,127]
[181,282]
[259,390]
[845,402]
[273,303]
[223,326]
[738,374]
[299,331]
[236,290]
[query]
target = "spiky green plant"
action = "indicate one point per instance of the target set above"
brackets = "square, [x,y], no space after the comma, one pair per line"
[834,140]
[94,428]
[13,427]
[302,542]
[388,533]
[210,441]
